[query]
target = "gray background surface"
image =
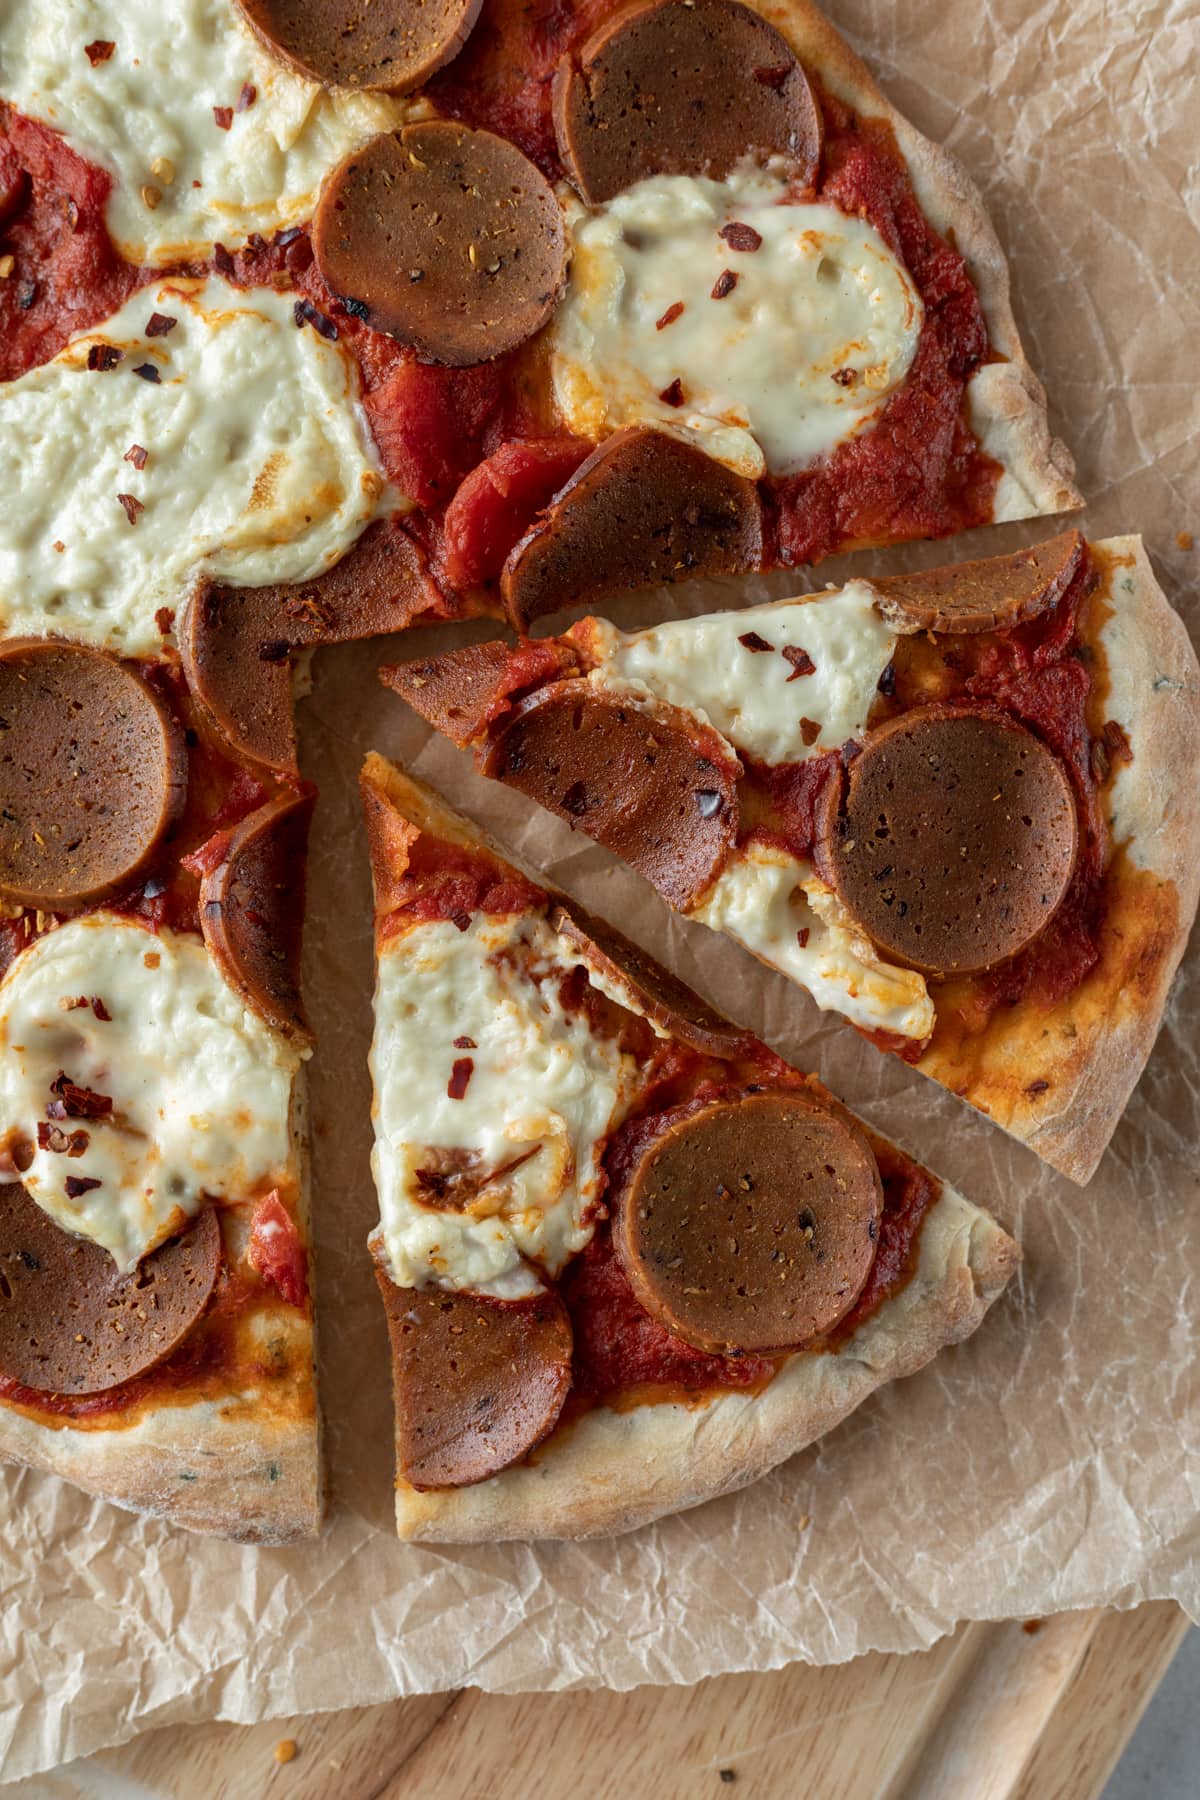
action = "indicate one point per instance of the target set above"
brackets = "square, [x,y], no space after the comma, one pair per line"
[1162,1760]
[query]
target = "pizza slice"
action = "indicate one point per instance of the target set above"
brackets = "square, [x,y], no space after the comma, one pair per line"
[639,331]
[630,1258]
[958,807]
[156,1321]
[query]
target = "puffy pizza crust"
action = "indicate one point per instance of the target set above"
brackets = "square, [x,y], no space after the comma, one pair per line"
[1091,1049]
[1006,400]
[228,1469]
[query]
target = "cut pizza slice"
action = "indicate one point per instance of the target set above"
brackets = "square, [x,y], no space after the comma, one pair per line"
[640,331]
[630,1258]
[958,807]
[156,1322]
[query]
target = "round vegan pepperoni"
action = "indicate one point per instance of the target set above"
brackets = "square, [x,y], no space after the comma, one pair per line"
[93,773]
[389,44]
[478,1381]
[252,911]
[70,1324]
[989,595]
[752,1224]
[955,840]
[450,239]
[238,677]
[682,87]
[639,781]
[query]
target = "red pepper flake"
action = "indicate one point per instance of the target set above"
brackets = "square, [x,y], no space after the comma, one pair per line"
[132,505]
[223,262]
[802,937]
[673,395]
[773,77]
[845,377]
[740,236]
[74,1102]
[164,618]
[305,313]
[724,284]
[460,1075]
[224,117]
[148,372]
[75,1185]
[801,662]
[810,731]
[136,455]
[60,1142]
[101,1011]
[158,324]
[103,357]
[1036,1087]
[754,641]
[465,1043]
[673,312]
[68,1005]
[247,97]
[461,920]
[99,51]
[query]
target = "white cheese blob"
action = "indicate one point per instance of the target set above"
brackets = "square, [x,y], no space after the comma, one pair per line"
[146,114]
[542,1094]
[752,693]
[802,352]
[259,464]
[777,906]
[200,1086]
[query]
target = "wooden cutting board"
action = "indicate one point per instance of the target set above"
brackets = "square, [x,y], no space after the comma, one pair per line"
[996,1712]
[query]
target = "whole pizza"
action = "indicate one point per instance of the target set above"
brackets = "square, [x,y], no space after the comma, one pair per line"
[322,319]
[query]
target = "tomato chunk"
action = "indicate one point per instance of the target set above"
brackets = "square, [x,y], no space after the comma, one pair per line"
[499,500]
[276,1251]
[430,424]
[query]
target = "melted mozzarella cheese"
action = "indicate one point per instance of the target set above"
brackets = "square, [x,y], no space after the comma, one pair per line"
[754,696]
[201,1087]
[259,464]
[778,907]
[146,114]
[542,1094]
[802,352]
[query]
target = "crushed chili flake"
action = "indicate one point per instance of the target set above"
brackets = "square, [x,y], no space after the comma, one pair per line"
[164,618]
[158,324]
[223,262]
[802,937]
[740,236]
[98,51]
[810,731]
[673,312]
[673,395]
[801,662]
[886,685]
[103,357]
[358,309]
[724,284]
[74,1102]
[465,1043]
[60,1142]
[224,117]
[845,377]
[754,641]
[460,1075]
[461,920]
[101,1011]
[1036,1087]
[136,455]
[75,1185]
[773,77]
[275,650]
[132,506]
[148,372]
[69,1005]
[247,97]
[305,313]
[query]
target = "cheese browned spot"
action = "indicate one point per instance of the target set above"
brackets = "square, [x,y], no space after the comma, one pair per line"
[392,45]
[252,911]
[93,773]
[955,838]
[644,508]
[70,1323]
[478,1381]
[751,1224]
[450,238]
[648,783]
[682,87]
[989,595]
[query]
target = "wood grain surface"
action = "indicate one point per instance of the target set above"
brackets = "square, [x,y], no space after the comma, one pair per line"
[1034,1711]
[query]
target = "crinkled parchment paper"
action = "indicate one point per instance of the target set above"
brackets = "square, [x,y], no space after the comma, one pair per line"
[1051,1462]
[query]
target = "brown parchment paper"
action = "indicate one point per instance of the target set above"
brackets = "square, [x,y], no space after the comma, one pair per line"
[1051,1462]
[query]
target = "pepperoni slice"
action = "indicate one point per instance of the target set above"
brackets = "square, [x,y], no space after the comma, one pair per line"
[453,692]
[450,238]
[393,45]
[93,773]
[644,508]
[478,1381]
[751,1224]
[988,595]
[252,911]
[644,783]
[70,1324]
[665,1000]
[955,840]
[235,643]
[685,87]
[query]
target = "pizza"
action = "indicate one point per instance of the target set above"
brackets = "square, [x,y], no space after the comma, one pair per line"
[156,1322]
[277,279]
[630,1258]
[948,805]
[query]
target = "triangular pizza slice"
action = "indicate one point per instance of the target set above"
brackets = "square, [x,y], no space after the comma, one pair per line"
[630,1258]
[958,807]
